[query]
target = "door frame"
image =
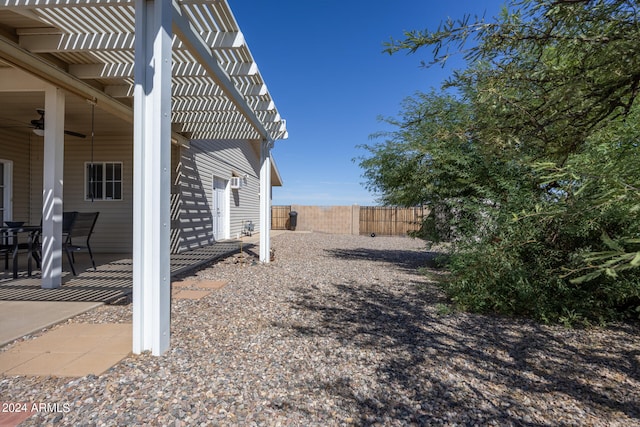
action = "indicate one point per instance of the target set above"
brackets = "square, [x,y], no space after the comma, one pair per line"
[7,202]
[225,214]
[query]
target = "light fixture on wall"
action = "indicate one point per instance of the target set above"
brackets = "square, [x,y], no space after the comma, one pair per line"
[38,131]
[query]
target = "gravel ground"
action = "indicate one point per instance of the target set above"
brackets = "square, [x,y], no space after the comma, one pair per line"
[342,330]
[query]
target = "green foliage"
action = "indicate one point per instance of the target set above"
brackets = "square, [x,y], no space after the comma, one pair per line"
[443,309]
[429,148]
[532,170]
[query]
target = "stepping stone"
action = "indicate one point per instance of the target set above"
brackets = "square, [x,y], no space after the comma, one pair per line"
[183,284]
[190,294]
[199,284]
[212,284]
[15,418]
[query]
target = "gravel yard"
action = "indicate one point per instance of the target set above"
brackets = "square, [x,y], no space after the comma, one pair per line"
[343,330]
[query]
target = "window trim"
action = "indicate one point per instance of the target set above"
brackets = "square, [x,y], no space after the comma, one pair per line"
[104,181]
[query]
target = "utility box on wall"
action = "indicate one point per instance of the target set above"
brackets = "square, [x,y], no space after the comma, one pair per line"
[236,183]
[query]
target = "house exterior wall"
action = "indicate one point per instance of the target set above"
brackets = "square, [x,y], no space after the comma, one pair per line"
[114,228]
[193,171]
[199,164]
[15,147]
[113,231]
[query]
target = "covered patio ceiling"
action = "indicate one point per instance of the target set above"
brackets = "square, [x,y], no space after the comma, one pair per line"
[92,42]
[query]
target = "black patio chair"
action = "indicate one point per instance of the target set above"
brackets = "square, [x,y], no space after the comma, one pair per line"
[78,236]
[36,246]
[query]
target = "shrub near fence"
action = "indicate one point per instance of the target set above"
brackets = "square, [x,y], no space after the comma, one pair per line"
[381,220]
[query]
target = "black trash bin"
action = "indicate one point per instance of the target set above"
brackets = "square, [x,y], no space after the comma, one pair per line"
[293,220]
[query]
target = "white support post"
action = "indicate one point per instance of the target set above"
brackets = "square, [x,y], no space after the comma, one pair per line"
[152,177]
[265,201]
[52,187]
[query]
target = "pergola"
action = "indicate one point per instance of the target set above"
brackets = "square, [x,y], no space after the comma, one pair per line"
[179,70]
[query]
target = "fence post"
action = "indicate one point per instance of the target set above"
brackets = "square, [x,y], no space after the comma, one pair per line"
[355,220]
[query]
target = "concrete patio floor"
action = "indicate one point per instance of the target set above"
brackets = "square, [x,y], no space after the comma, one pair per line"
[72,350]
[79,349]
[20,318]
[76,349]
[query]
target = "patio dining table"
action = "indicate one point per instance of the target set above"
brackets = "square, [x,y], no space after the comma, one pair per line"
[10,240]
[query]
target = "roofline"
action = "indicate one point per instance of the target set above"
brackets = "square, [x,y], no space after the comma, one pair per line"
[275,171]
[202,52]
[32,64]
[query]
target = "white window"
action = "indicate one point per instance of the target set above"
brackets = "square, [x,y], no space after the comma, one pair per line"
[103,181]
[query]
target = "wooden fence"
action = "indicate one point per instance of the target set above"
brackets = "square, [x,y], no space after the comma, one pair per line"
[390,221]
[280,217]
[381,220]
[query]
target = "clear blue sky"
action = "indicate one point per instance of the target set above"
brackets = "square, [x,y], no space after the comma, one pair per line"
[322,61]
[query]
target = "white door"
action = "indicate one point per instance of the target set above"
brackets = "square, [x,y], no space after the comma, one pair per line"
[219,205]
[5,191]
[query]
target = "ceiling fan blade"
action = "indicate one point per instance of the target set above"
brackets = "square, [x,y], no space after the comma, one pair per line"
[76,134]
[39,124]
[6,123]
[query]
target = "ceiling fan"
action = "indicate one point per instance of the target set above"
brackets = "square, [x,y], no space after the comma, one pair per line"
[38,126]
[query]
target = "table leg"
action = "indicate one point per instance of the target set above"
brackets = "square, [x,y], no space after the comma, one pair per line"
[15,261]
[5,243]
